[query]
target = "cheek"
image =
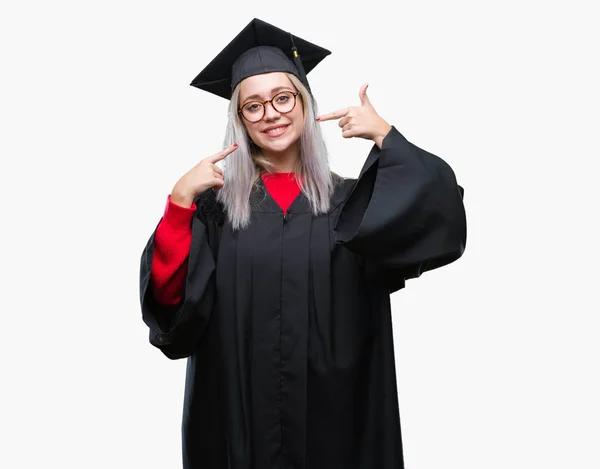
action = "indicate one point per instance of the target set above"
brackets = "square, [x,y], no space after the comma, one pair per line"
[299,120]
[253,133]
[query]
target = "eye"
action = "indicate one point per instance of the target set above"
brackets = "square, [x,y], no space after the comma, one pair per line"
[283,98]
[252,107]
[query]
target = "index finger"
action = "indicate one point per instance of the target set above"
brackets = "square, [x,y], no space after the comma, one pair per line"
[223,153]
[333,115]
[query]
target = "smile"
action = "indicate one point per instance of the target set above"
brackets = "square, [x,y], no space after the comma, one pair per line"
[276,131]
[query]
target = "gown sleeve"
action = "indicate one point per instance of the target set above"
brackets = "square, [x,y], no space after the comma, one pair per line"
[177,328]
[405,214]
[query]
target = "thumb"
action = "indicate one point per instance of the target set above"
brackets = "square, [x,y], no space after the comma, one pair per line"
[362,94]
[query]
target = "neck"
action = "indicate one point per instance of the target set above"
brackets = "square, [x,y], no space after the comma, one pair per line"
[285,161]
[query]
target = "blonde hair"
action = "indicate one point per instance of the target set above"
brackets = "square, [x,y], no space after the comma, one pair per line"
[243,167]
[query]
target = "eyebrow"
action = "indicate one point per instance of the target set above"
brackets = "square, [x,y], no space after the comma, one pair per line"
[274,90]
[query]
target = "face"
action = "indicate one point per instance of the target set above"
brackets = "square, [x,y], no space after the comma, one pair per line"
[275,132]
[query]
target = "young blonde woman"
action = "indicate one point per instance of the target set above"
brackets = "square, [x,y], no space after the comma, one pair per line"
[273,275]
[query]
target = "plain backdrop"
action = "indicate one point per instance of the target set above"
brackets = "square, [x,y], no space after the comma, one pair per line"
[497,354]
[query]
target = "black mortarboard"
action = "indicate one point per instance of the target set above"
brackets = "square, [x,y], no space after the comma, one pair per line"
[259,48]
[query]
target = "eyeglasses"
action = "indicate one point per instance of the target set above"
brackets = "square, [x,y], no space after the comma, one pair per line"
[283,102]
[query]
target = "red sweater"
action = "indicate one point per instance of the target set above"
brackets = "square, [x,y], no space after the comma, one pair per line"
[174,236]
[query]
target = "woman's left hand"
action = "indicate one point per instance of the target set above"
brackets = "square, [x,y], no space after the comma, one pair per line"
[360,121]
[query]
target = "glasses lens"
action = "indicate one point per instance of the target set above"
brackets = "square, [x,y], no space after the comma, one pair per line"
[253,111]
[284,101]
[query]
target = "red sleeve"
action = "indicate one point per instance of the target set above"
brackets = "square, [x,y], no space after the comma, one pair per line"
[171,251]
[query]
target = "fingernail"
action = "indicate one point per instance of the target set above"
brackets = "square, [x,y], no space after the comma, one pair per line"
[235,145]
[318,118]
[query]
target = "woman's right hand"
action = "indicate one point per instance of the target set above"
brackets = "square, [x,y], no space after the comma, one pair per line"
[200,178]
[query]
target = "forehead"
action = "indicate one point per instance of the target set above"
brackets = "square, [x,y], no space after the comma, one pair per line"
[263,85]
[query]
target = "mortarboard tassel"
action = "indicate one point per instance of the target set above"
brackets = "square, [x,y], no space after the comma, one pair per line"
[298,63]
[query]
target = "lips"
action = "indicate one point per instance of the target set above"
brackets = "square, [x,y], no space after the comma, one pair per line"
[276,130]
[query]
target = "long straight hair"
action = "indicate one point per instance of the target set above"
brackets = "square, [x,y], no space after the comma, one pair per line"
[243,167]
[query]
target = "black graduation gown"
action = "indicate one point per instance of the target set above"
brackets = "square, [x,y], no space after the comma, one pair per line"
[287,324]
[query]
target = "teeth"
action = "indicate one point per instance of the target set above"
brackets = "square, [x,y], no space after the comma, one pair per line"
[277,129]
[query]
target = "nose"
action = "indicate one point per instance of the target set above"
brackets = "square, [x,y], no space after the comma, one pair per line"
[270,112]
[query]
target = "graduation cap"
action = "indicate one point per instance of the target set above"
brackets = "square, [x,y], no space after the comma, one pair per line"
[259,48]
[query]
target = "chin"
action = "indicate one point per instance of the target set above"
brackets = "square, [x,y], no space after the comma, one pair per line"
[279,145]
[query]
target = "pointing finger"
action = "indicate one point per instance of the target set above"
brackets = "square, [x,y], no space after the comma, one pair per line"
[333,115]
[223,154]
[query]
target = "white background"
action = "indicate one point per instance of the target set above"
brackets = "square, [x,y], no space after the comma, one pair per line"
[497,354]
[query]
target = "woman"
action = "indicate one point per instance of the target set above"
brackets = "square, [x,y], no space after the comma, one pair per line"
[273,277]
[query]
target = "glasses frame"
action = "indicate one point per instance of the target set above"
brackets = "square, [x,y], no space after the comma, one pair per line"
[264,103]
